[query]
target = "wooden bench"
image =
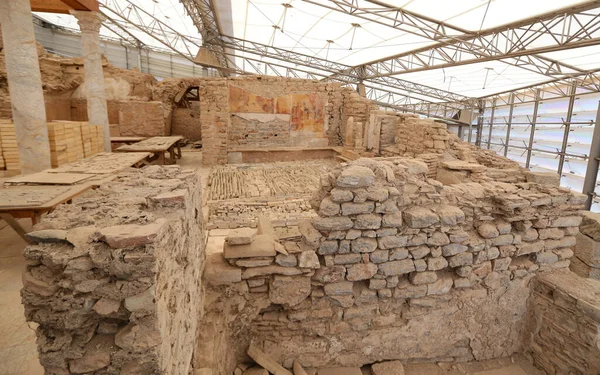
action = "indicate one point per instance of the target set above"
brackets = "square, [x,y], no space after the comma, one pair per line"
[127,140]
[32,202]
[157,146]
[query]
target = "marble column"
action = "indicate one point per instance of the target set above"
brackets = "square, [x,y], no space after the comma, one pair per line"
[25,85]
[89,24]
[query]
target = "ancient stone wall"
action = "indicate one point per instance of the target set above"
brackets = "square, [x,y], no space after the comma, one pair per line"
[398,266]
[564,328]
[186,122]
[114,279]
[586,262]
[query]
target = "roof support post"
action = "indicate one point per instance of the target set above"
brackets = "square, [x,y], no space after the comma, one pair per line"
[565,142]
[489,142]
[89,23]
[480,112]
[591,174]
[532,131]
[509,123]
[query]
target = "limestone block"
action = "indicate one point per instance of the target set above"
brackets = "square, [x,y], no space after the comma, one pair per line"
[391,242]
[587,250]
[106,306]
[438,239]
[308,259]
[96,357]
[363,245]
[331,274]
[399,267]
[488,230]
[420,217]
[289,290]
[131,235]
[339,288]
[387,368]
[241,236]
[590,225]
[219,272]
[420,278]
[463,259]
[583,269]
[380,256]
[361,271]
[287,260]
[393,220]
[566,221]
[356,176]
[357,208]
[329,208]
[328,247]
[262,246]
[347,258]
[309,233]
[367,221]
[450,215]
[256,371]
[544,178]
[453,249]
[332,223]
[435,264]
[37,286]
[441,286]
[341,195]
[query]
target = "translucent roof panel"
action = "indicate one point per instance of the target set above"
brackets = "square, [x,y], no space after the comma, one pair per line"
[316,28]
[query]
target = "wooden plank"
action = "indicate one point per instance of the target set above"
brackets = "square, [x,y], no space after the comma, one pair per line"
[46,178]
[63,6]
[127,139]
[103,163]
[154,144]
[37,198]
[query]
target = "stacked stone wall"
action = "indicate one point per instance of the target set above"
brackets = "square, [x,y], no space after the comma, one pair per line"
[114,279]
[398,266]
[562,335]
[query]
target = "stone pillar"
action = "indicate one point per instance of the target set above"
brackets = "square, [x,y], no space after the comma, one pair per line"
[25,85]
[89,24]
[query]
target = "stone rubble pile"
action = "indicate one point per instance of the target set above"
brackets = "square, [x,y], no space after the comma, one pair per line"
[243,213]
[264,365]
[388,237]
[115,276]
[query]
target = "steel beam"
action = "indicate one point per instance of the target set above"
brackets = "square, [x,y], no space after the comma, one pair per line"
[509,123]
[565,28]
[274,59]
[532,130]
[567,124]
[591,173]
[489,142]
[434,30]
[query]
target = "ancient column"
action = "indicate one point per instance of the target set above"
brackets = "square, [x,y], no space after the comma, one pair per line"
[89,24]
[25,85]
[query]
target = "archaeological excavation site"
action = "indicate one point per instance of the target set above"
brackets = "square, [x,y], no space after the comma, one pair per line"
[336,187]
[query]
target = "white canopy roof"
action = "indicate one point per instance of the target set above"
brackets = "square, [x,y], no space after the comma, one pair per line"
[310,29]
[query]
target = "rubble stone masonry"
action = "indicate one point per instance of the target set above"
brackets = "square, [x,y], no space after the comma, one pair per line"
[114,279]
[399,266]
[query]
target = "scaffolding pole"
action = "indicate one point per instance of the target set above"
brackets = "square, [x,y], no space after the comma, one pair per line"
[509,123]
[591,174]
[565,142]
[532,132]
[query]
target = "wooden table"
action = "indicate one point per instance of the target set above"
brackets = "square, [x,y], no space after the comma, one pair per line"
[127,140]
[33,201]
[157,146]
[103,163]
